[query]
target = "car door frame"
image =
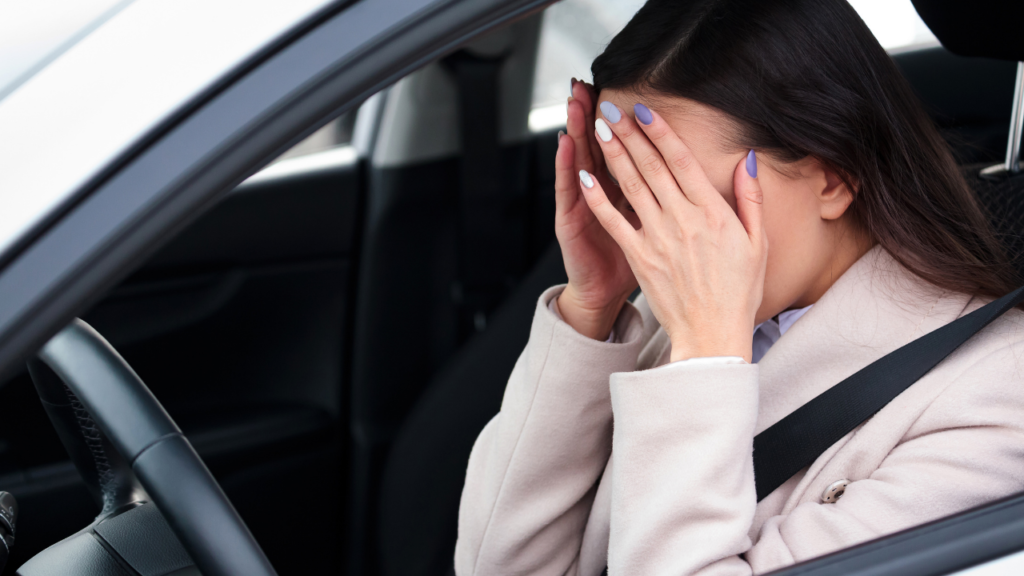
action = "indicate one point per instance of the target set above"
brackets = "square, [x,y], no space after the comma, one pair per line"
[958,542]
[185,166]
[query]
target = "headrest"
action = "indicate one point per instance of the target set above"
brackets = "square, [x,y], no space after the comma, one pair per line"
[987,28]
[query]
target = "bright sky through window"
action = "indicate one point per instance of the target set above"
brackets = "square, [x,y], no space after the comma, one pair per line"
[576,31]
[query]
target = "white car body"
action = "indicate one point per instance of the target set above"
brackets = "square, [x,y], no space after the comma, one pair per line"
[69,121]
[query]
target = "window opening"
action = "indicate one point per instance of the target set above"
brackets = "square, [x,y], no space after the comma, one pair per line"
[574,32]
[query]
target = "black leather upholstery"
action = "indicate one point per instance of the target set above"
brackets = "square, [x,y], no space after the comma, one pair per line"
[143,539]
[136,541]
[107,475]
[989,28]
[80,555]
[407,302]
[116,405]
[1003,200]
[968,98]
[427,465]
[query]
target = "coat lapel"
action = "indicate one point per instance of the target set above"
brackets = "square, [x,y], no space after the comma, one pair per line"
[871,310]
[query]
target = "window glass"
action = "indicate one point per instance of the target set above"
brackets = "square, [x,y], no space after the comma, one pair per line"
[337,132]
[895,23]
[574,32]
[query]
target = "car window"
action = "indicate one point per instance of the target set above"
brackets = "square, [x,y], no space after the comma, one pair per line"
[895,23]
[68,108]
[337,132]
[574,32]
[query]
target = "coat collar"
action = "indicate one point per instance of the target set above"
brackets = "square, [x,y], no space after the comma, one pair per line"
[871,310]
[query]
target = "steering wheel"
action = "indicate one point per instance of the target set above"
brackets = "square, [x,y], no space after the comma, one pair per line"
[132,457]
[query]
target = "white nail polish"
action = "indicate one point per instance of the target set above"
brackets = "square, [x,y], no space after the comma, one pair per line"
[603,131]
[586,179]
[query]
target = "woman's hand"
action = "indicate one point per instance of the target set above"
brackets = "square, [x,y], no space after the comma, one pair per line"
[700,266]
[600,279]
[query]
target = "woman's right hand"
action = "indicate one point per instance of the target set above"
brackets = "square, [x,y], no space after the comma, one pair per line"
[600,279]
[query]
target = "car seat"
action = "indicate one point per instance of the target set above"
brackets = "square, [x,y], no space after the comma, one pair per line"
[423,478]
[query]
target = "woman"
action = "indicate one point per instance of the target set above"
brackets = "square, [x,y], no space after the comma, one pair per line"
[757,168]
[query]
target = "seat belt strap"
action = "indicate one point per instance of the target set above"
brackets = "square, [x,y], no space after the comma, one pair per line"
[796,441]
[482,262]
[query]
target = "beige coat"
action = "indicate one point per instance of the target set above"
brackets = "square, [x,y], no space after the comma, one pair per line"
[554,488]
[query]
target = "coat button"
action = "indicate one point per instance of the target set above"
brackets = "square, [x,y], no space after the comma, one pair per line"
[834,491]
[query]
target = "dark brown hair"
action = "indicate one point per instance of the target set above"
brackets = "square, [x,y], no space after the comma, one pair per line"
[807,78]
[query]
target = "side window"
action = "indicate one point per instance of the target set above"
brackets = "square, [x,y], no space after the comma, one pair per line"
[574,32]
[895,23]
[337,132]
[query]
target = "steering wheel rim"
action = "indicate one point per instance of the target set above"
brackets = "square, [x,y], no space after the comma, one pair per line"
[166,465]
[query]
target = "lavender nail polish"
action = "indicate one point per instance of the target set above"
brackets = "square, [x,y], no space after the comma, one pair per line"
[643,114]
[611,112]
[752,164]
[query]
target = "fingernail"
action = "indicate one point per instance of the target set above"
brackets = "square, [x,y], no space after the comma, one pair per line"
[611,112]
[643,114]
[560,134]
[752,164]
[586,179]
[572,85]
[603,131]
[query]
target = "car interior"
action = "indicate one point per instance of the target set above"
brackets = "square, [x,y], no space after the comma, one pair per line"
[332,336]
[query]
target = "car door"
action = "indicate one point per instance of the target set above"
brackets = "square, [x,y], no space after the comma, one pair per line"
[239,321]
[237,326]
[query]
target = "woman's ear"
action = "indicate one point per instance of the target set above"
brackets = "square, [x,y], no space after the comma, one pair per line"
[834,193]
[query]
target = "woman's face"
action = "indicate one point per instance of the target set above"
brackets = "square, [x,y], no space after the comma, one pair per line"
[809,242]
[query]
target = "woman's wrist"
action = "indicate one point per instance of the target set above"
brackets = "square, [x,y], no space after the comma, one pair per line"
[711,345]
[593,320]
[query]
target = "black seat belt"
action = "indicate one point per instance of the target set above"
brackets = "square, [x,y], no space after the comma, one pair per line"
[488,249]
[796,441]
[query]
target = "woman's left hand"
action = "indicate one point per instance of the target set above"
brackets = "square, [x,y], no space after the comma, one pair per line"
[700,265]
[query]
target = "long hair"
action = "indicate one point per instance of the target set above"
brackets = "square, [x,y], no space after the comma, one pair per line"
[806,78]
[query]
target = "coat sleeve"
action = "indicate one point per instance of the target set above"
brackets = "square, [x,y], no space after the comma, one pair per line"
[683,488]
[533,470]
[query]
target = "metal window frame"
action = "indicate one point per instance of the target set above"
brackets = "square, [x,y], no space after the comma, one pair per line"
[185,166]
[964,540]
